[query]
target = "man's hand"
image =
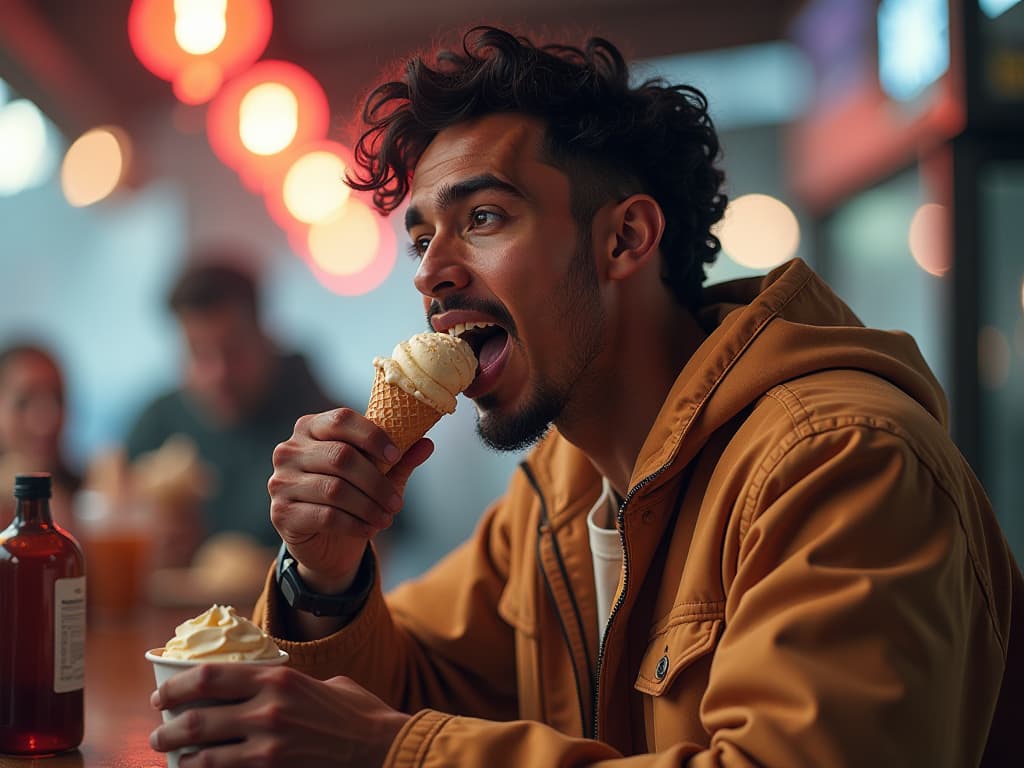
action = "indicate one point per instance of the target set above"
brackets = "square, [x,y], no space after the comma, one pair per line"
[273,716]
[328,498]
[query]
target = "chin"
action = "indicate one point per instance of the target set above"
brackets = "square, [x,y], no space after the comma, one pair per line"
[517,431]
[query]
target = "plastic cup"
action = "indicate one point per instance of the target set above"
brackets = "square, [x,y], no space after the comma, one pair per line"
[117,545]
[164,669]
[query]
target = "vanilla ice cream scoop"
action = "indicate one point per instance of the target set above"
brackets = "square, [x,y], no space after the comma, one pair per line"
[432,367]
[219,634]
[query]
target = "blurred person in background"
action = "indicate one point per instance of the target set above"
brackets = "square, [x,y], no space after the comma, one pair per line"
[744,536]
[208,442]
[32,415]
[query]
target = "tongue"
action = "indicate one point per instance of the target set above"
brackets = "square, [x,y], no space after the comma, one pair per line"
[491,350]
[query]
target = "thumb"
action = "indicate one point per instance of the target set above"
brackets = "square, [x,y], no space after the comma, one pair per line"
[418,453]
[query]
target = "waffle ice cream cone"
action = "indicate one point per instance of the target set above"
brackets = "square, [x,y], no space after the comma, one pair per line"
[417,385]
[399,413]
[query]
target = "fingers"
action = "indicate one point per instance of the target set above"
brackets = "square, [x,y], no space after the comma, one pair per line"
[217,704]
[326,466]
[418,453]
[298,522]
[303,503]
[197,727]
[217,682]
[346,425]
[291,720]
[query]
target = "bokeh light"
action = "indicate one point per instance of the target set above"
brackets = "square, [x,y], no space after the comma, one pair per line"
[347,243]
[929,239]
[314,187]
[260,120]
[200,25]
[94,165]
[758,231]
[993,357]
[197,45]
[310,188]
[268,118]
[27,153]
[351,254]
[913,45]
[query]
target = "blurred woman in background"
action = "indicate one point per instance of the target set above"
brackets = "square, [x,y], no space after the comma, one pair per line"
[32,414]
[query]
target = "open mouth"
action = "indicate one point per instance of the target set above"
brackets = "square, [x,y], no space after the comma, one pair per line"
[489,342]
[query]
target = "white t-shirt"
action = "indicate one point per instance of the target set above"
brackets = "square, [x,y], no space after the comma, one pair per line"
[606,550]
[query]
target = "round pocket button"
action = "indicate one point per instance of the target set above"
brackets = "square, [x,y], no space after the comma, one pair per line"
[662,669]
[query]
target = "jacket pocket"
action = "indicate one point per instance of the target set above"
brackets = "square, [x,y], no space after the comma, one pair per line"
[684,637]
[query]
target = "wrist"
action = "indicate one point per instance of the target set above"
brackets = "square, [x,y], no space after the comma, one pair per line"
[340,598]
[389,728]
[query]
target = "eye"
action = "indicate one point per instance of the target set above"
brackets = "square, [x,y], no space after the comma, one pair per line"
[481,217]
[418,246]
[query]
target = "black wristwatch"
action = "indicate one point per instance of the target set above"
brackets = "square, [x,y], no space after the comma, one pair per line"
[302,598]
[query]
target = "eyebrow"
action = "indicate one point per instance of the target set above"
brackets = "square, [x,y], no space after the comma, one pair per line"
[450,194]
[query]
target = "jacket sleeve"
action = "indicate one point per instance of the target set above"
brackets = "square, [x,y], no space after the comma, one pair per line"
[434,642]
[861,623]
[860,628]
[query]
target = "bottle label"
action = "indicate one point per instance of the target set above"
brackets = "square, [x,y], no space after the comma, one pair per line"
[69,634]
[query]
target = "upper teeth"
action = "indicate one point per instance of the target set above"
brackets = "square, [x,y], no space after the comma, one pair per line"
[460,328]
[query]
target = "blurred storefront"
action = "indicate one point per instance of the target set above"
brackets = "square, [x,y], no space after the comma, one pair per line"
[910,165]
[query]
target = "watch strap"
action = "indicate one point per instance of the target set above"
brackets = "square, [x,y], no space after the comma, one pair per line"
[345,605]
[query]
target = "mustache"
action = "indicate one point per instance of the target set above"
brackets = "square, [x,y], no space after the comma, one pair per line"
[491,308]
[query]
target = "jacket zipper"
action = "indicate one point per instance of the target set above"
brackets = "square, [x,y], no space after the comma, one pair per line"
[621,526]
[545,523]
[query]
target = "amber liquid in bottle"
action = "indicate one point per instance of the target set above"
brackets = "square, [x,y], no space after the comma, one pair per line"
[42,643]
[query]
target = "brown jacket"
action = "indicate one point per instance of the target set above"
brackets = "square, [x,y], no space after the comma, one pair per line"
[813,577]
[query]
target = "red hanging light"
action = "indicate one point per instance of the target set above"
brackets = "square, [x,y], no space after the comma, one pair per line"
[259,120]
[198,44]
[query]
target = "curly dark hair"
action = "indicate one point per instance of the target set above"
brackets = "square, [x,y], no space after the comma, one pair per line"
[611,139]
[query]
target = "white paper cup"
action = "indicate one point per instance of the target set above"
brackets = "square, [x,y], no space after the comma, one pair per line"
[164,669]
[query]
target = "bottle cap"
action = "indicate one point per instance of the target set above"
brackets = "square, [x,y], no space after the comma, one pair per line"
[32,485]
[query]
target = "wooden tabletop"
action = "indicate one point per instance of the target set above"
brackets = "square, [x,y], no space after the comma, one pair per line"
[118,683]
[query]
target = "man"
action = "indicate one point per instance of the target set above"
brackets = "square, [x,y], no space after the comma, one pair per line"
[240,395]
[804,572]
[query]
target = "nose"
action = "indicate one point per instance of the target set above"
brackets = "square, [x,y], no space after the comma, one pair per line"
[441,271]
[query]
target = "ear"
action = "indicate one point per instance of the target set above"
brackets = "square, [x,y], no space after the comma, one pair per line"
[638,224]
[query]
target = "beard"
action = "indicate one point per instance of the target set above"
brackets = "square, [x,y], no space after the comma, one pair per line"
[582,317]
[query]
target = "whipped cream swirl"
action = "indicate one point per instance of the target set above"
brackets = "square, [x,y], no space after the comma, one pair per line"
[219,634]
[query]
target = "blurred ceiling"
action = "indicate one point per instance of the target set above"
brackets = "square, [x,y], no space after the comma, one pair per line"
[72,57]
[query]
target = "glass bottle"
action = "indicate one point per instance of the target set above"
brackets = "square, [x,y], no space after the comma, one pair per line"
[42,645]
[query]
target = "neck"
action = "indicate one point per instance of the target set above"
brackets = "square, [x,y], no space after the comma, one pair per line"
[611,420]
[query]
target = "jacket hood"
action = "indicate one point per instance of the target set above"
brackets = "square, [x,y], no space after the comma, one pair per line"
[764,331]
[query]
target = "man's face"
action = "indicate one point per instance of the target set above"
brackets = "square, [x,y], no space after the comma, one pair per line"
[492,225]
[229,361]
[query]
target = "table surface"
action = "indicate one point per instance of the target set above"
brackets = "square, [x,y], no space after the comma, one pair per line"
[118,683]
